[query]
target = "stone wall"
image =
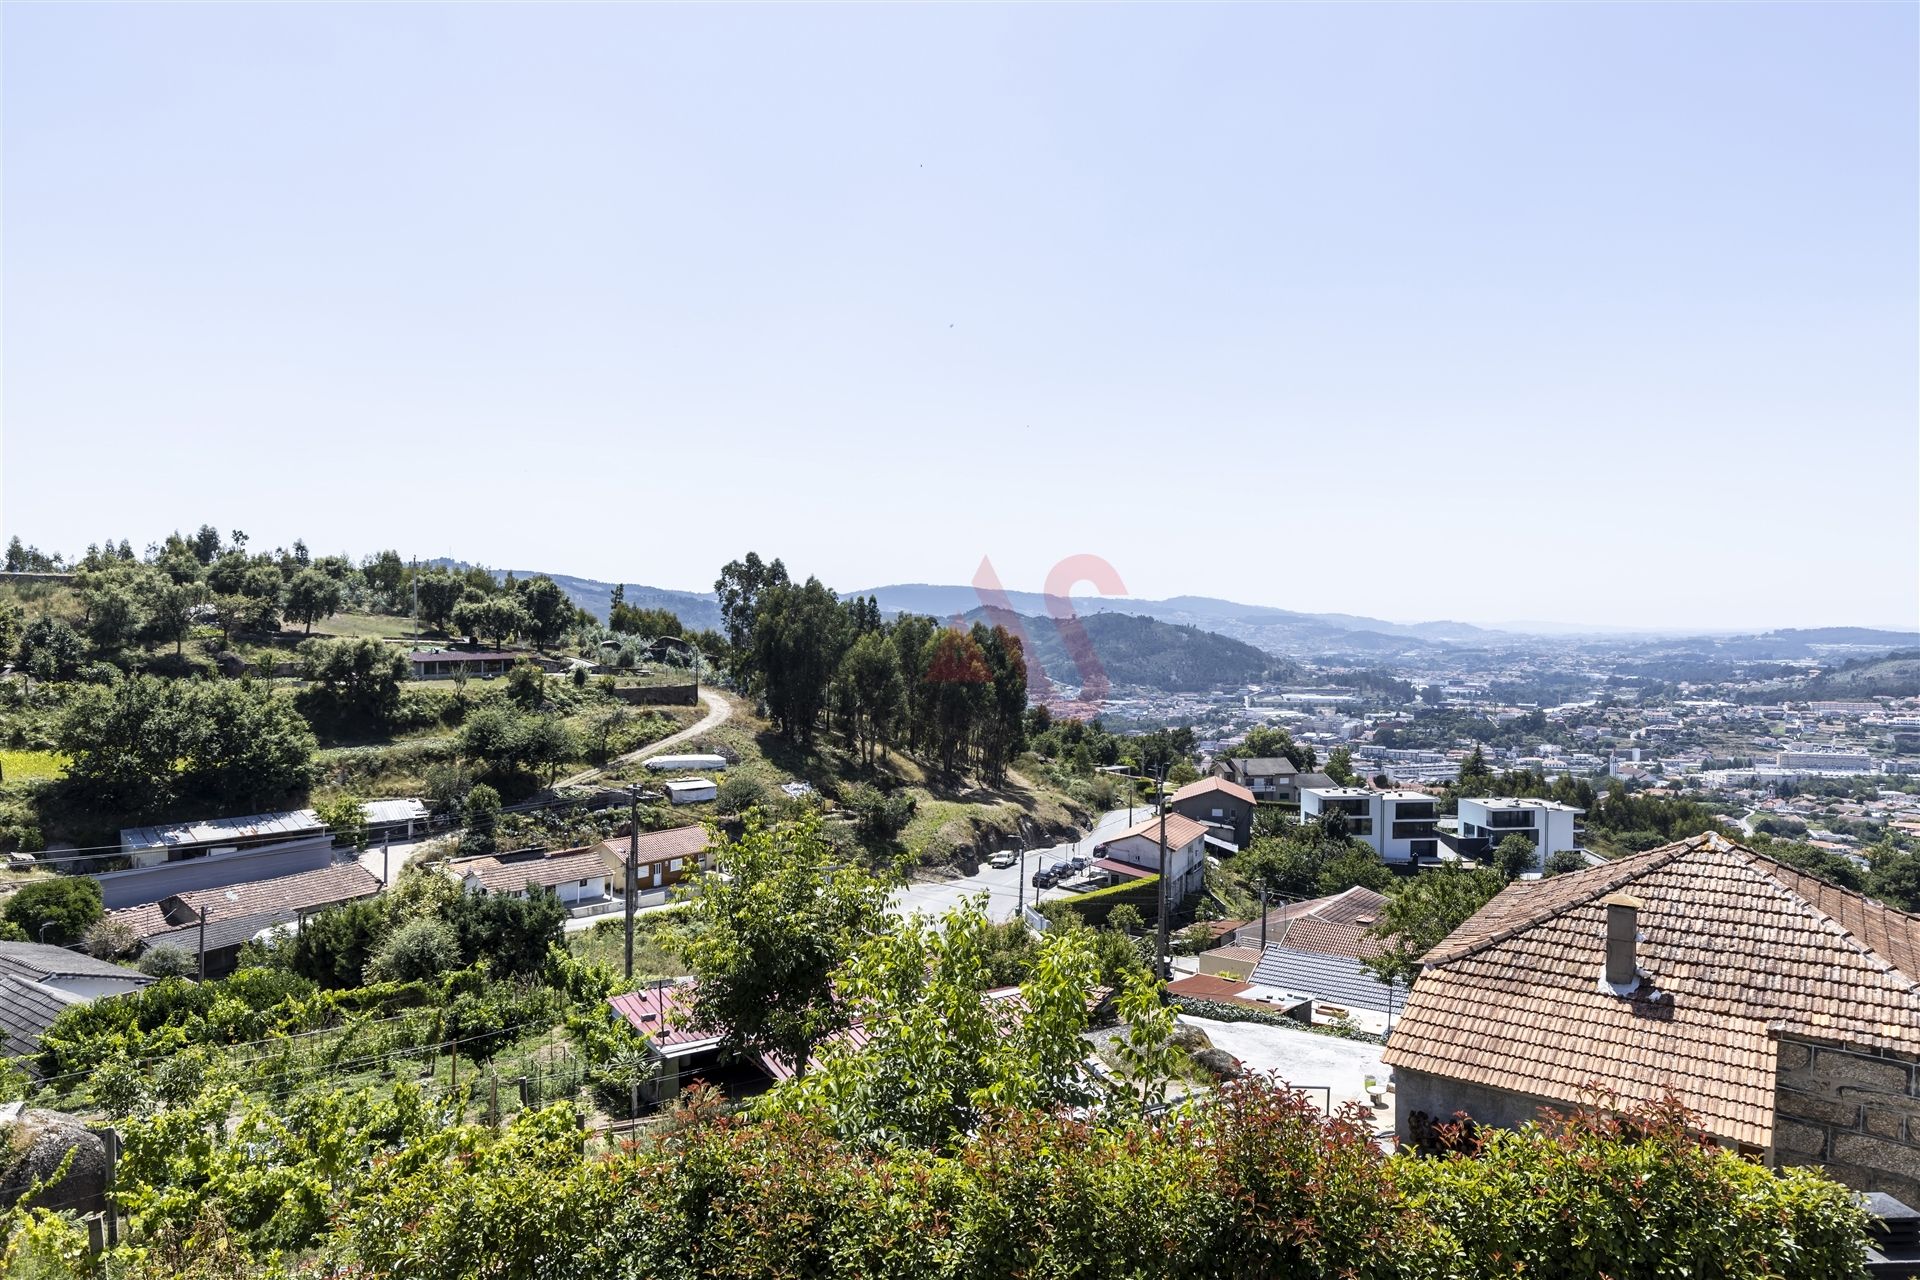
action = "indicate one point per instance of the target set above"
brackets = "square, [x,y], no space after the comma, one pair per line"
[1854,1112]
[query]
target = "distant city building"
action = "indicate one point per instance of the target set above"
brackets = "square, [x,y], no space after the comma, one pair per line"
[1818,760]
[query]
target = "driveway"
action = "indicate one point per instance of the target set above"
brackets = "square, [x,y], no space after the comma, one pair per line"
[1305,1060]
[937,893]
[719,710]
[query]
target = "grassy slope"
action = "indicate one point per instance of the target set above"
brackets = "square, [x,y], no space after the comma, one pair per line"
[952,815]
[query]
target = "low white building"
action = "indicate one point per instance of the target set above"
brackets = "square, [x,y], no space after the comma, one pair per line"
[575,876]
[671,764]
[1548,824]
[691,790]
[1397,825]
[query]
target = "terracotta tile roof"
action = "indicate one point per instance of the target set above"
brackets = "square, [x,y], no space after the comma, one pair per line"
[1326,937]
[1333,925]
[660,846]
[277,895]
[1193,790]
[1736,950]
[1181,831]
[514,876]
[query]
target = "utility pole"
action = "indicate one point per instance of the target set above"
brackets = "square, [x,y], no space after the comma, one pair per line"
[1165,962]
[633,862]
[203,944]
[1263,917]
[386,853]
[1020,889]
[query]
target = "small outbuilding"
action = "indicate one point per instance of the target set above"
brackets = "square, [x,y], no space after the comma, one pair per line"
[691,790]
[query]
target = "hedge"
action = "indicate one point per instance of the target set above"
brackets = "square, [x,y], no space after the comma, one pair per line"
[1144,893]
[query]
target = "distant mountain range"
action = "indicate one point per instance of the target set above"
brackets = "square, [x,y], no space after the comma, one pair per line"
[1279,632]
[1134,650]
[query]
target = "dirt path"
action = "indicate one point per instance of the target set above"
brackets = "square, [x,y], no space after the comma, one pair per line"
[719,710]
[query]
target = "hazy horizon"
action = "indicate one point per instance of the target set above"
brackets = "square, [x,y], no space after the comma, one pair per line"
[1468,313]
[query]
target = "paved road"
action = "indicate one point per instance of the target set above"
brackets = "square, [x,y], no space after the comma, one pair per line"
[385,866]
[937,894]
[718,712]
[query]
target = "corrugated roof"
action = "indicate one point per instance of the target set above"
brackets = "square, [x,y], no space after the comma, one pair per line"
[664,1014]
[253,827]
[1736,950]
[1338,979]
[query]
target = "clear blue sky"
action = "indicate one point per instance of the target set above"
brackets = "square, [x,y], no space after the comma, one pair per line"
[1601,314]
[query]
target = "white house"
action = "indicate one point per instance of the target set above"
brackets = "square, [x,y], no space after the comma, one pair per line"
[1397,825]
[1138,847]
[691,790]
[1485,823]
[575,876]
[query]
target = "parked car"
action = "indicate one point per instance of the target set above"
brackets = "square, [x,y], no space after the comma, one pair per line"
[1079,862]
[1004,858]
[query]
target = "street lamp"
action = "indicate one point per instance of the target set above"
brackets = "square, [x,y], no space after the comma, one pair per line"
[44,926]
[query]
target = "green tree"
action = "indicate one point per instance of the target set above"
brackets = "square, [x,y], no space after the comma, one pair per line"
[417,950]
[1561,861]
[513,935]
[438,592]
[954,690]
[493,618]
[548,610]
[114,609]
[1271,741]
[939,1055]
[771,934]
[170,611]
[50,649]
[352,684]
[335,946]
[740,587]
[124,743]
[311,596]
[246,745]
[799,635]
[480,811]
[57,911]
[1426,909]
[871,675]
[1339,766]
[1512,856]
[346,818]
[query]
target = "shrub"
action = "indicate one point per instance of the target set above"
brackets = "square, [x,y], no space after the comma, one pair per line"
[168,961]
[739,792]
[1597,1194]
[416,950]
[58,911]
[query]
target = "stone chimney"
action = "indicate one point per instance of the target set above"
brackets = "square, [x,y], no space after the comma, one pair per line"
[1623,940]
